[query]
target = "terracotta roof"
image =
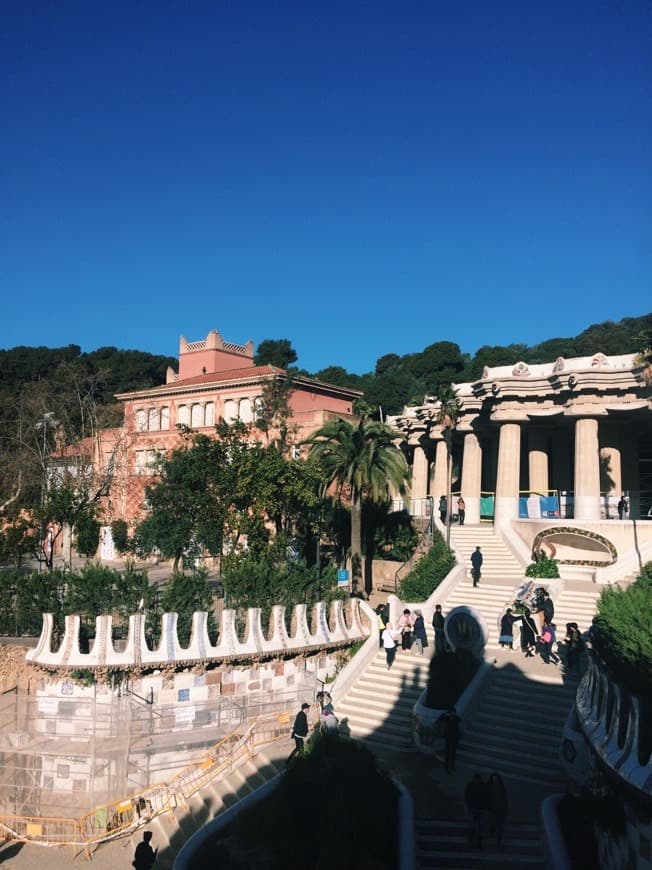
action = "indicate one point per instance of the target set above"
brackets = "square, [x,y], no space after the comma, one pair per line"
[249,373]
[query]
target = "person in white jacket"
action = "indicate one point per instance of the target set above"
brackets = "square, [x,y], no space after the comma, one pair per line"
[389,644]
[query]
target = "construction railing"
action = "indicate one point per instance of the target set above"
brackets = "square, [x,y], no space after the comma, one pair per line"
[121,817]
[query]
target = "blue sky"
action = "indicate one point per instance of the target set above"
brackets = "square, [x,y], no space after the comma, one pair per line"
[360,177]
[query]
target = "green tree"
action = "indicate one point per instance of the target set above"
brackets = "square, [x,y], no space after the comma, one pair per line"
[275,352]
[362,460]
[185,594]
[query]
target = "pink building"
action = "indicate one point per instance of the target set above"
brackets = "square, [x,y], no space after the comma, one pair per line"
[215,380]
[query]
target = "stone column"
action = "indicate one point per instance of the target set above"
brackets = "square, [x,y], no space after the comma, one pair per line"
[419,473]
[538,461]
[472,477]
[507,480]
[439,478]
[611,480]
[587,470]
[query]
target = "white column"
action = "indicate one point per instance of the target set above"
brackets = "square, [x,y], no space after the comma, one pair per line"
[419,473]
[507,480]
[472,477]
[439,478]
[587,470]
[538,461]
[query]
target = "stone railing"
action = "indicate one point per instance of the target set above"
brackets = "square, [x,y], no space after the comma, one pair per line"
[610,719]
[329,630]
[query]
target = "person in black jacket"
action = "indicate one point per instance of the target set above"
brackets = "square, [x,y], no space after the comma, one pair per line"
[300,731]
[144,856]
[548,607]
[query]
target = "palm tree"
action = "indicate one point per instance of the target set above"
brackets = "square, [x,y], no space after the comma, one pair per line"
[447,416]
[364,459]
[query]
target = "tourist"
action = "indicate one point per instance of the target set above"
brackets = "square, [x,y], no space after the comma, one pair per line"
[498,806]
[300,731]
[623,507]
[419,631]
[477,804]
[389,644]
[548,638]
[547,607]
[476,565]
[451,728]
[506,638]
[574,647]
[382,622]
[443,508]
[145,856]
[438,626]
[528,633]
[461,510]
[405,627]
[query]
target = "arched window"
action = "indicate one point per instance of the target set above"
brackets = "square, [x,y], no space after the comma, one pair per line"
[141,420]
[245,410]
[230,411]
[259,407]
[183,415]
[197,416]
[209,414]
[165,418]
[153,419]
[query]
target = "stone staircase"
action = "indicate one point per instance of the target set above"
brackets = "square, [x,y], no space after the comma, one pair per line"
[445,845]
[378,708]
[499,563]
[171,830]
[516,729]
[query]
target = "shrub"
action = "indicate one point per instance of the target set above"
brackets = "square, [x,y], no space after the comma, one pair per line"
[428,573]
[543,567]
[449,675]
[88,537]
[120,534]
[622,634]
[335,787]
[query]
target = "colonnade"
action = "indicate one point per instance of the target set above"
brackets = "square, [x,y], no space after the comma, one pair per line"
[505,474]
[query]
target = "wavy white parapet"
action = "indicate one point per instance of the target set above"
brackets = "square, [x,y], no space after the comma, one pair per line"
[598,705]
[329,630]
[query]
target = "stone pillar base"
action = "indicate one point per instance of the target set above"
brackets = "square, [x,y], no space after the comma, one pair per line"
[587,507]
[505,510]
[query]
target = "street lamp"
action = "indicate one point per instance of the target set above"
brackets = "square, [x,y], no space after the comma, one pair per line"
[46,419]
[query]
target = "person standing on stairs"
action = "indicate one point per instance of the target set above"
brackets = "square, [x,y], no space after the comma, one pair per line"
[476,565]
[477,803]
[382,622]
[548,607]
[548,638]
[144,856]
[438,626]
[443,509]
[451,726]
[405,627]
[389,644]
[300,731]
[506,638]
[498,806]
[528,634]
[419,631]
[461,510]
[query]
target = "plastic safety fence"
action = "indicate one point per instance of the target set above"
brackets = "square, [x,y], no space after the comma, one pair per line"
[121,817]
[53,832]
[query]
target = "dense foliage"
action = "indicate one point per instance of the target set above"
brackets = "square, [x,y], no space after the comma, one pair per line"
[225,494]
[543,567]
[403,380]
[622,634]
[429,571]
[289,830]
[363,461]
